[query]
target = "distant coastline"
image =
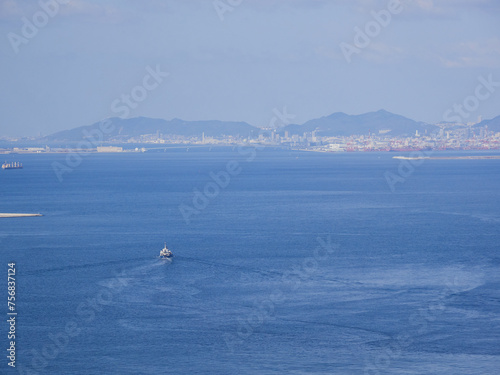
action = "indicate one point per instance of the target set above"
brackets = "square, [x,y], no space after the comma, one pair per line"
[474,157]
[338,132]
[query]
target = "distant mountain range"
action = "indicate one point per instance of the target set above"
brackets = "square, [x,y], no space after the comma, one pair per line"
[493,124]
[123,129]
[336,124]
[341,124]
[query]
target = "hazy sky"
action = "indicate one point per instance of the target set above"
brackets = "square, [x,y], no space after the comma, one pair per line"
[70,64]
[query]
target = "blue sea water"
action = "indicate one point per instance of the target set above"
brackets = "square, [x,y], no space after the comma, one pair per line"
[302,263]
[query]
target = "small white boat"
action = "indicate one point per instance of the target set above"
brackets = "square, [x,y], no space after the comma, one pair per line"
[165,253]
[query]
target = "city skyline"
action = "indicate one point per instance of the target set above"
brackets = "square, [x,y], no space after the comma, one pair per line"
[278,122]
[102,138]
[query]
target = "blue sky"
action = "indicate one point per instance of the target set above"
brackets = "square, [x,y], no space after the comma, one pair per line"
[241,62]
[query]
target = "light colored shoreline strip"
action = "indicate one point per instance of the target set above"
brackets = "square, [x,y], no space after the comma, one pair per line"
[483,157]
[19,215]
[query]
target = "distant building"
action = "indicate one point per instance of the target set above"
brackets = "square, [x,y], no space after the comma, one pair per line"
[336,147]
[109,149]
